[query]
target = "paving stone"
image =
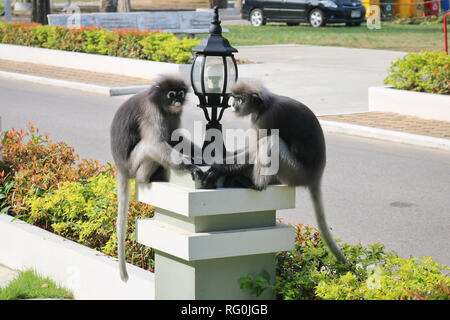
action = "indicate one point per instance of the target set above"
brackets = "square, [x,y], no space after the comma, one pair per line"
[89,77]
[396,122]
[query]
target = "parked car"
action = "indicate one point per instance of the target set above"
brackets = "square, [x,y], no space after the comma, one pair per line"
[316,12]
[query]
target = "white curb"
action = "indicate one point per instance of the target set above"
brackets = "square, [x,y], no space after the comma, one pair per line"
[115,91]
[419,104]
[387,135]
[88,273]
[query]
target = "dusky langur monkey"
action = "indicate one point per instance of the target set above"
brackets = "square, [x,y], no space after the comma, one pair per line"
[301,148]
[141,145]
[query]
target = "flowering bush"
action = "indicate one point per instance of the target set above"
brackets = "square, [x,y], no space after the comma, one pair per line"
[39,165]
[44,183]
[395,279]
[311,272]
[149,45]
[86,212]
[425,72]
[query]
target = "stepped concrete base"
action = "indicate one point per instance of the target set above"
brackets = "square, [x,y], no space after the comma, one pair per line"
[205,240]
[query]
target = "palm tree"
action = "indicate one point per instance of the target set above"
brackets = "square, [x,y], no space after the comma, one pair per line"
[221,3]
[39,11]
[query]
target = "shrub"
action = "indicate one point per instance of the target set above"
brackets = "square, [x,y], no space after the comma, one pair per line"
[6,184]
[86,212]
[425,72]
[396,279]
[156,46]
[311,272]
[44,183]
[39,165]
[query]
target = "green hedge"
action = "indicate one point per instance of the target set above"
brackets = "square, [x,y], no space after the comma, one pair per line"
[155,46]
[45,183]
[311,272]
[423,72]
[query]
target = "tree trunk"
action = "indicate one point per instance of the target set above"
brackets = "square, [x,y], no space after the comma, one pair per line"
[39,11]
[108,6]
[123,6]
[221,3]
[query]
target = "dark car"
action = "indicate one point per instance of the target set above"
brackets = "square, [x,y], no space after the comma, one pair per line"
[316,12]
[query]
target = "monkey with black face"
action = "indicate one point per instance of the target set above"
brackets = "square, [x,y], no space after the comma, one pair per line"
[141,144]
[301,147]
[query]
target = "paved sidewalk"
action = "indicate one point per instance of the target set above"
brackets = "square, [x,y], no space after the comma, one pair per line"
[395,122]
[75,75]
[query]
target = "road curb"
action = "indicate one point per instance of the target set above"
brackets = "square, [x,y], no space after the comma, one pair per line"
[387,135]
[110,91]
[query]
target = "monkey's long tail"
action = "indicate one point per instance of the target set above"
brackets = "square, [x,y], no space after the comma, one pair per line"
[316,196]
[123,197]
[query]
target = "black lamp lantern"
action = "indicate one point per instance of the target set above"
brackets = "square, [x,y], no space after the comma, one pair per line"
[214,72]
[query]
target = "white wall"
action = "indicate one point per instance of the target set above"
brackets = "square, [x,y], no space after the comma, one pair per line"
[88,273]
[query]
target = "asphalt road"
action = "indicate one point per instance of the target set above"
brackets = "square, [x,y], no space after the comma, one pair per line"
[374,191]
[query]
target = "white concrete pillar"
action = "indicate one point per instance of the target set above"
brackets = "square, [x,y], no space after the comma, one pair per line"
[205,240]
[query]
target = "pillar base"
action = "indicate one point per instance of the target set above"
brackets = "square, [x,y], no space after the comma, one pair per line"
[210,279]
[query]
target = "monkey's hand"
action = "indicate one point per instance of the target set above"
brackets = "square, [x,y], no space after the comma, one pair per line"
[196,173]
[258,188]
[210,177]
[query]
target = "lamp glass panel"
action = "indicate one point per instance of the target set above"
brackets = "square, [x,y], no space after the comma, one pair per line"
[231,74]
[197,73]
[214,74]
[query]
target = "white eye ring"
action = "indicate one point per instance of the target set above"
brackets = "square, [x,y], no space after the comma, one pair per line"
[181,93]
[171,94]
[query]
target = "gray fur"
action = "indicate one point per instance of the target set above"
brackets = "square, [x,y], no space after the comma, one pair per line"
[140,144]
[302,155]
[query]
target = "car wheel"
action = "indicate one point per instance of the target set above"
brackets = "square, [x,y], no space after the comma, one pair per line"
[257,18]
[316,18]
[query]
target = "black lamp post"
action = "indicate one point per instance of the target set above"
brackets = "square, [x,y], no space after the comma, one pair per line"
[214,72]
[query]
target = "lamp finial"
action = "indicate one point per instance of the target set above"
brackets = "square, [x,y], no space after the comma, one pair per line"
[215,28]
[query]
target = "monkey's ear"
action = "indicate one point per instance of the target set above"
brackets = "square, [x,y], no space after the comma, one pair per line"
[256,98]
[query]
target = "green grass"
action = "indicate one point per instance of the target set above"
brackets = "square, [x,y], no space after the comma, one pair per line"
[29,285]
[390,37]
